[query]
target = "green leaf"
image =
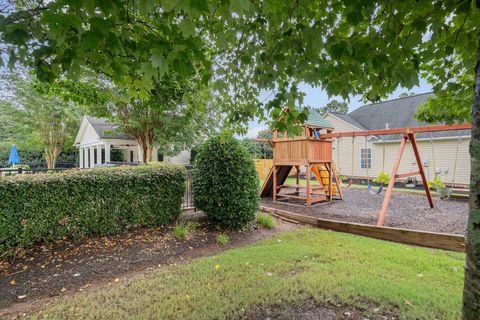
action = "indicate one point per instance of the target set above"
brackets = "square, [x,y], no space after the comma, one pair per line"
[146,6]
[239,6]
[159,61]
[187,27]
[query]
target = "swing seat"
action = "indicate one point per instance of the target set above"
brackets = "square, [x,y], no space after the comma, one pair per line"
[444,193]
[370,188]
[348,185]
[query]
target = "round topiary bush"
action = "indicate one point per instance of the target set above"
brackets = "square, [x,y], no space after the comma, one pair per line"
[225,182]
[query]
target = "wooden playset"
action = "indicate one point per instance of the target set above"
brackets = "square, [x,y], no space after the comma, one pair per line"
[306,151]
[312,150]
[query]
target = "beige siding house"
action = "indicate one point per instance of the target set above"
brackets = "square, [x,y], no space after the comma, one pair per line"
[97,138]
[368,157]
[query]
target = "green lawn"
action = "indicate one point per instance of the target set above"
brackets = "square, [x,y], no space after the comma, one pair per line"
[415,283]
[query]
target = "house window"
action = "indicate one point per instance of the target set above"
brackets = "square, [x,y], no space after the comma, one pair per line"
[366,158]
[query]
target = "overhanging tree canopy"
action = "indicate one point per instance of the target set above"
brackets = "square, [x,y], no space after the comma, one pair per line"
[352,47]
[345,47]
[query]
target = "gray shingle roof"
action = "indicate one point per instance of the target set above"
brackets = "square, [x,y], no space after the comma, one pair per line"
[105,129]
[396,113]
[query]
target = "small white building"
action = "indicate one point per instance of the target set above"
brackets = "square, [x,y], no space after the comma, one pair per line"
[99,142]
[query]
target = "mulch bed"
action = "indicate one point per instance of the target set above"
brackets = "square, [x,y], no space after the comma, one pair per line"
[311,310]
[407,210]
[42,272]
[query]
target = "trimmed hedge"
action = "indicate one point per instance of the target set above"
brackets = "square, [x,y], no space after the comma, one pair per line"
[225,183]
[39,208]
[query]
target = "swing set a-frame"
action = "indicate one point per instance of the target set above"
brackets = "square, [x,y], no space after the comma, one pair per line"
[313,150]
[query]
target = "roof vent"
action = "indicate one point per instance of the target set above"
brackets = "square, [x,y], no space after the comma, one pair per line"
[386,126]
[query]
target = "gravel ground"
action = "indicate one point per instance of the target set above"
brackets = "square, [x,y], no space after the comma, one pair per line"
[406,210]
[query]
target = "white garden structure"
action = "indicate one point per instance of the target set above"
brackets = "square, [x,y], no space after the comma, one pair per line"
[97,138]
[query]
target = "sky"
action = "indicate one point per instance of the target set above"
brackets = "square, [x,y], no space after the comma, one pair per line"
[316,97]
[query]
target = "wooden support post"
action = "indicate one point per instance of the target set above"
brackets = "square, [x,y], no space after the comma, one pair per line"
[420,168]
[309,200]
[330,187]
[297,176]
[274,183]
[388,194]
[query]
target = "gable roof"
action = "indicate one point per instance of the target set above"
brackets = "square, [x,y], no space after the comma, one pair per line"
[395,113]
[315,119]
[105,129]
[347,118]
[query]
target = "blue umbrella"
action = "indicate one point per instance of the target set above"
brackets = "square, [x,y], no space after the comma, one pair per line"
[14,158]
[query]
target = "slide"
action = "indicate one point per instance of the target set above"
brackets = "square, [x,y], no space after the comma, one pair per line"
[267,189]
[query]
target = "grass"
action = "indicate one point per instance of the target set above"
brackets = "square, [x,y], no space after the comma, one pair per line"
[416,283]
[222,239]
[183,230]
[266,221]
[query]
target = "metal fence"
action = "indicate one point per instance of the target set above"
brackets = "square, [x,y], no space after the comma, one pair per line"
[41,165]
[187,202]
[15,171]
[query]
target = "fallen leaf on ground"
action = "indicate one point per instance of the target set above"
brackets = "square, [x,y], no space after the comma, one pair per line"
[22,297]
[63,289]
[408,303]
[13,282]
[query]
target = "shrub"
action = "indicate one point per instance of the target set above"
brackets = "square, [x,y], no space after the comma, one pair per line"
[38,208]
[382,178]
[223,239]
[436,183]
[266,221]
[225,183]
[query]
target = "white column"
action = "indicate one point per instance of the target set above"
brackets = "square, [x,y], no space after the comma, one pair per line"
[80,154]
[107,153]
[99,154]
[139,154]
[92,157]
[155,154]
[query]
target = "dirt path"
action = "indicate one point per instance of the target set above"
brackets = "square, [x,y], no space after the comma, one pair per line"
[46,272]
[406,210]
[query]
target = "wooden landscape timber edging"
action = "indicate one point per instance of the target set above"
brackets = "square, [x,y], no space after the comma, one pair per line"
[435,240]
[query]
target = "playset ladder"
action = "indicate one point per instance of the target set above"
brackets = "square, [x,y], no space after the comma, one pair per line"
[322,173]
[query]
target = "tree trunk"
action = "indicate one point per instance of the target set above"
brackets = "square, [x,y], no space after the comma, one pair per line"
[149,146]
[149,154]
[144,152]
[145,141]
[471,290]
[51,157]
